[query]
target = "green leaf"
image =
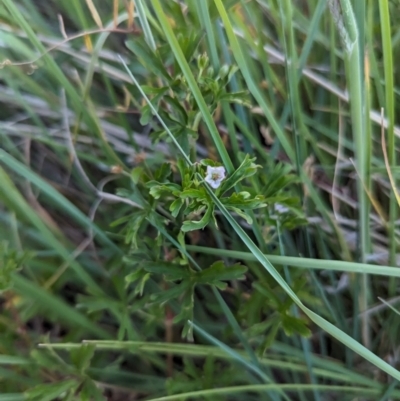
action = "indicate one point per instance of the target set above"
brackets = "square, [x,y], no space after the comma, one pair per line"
[226,73]
[90,392]
[133,227]
[244,215]
[151,90]
[176,206]
[197,225]
[178,108]
[134,276]
[236,97]
[172,271]
[151,60]
[50,392]
[10,262]
[157,189]
[163,172]
[146,115]
[140,287]
[293,325]
[218,271]
[269,339]
[246,169]
[172,293]
[82,356]
[209,162]
[199,194]
[242,201]
[189,41]
[278,179]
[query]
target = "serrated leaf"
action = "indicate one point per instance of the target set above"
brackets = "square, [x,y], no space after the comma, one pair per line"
[218,271]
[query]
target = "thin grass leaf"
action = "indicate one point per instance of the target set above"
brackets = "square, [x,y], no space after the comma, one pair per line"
[300,388]
[303,263]
[56,307]
[55,196]
[9,192]
[253,88]
[390,112]
[173,42]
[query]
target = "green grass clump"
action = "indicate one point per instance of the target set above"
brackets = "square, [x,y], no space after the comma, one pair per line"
[198,200]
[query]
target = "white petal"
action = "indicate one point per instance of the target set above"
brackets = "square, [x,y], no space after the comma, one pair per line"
[220,171]
[213,183]
[210,170]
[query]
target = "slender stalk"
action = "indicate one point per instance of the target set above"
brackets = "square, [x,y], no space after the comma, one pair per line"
[389,111]
[348,29]
[169,33]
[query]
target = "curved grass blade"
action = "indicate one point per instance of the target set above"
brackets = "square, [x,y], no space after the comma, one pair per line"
[51,303]
[9,192]
[173,42]
[55,196]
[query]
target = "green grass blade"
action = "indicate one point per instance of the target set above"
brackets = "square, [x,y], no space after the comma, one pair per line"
[12,397]
[268,388]
[321,322]
[55,306]
[55,196]
[173,42]
[10,193]
[390,113]
[303,263]
[229,351]
[253,88]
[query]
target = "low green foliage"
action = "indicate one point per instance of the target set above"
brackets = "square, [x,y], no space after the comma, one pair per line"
[179,217]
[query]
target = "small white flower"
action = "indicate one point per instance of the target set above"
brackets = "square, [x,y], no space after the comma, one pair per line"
[215,175]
